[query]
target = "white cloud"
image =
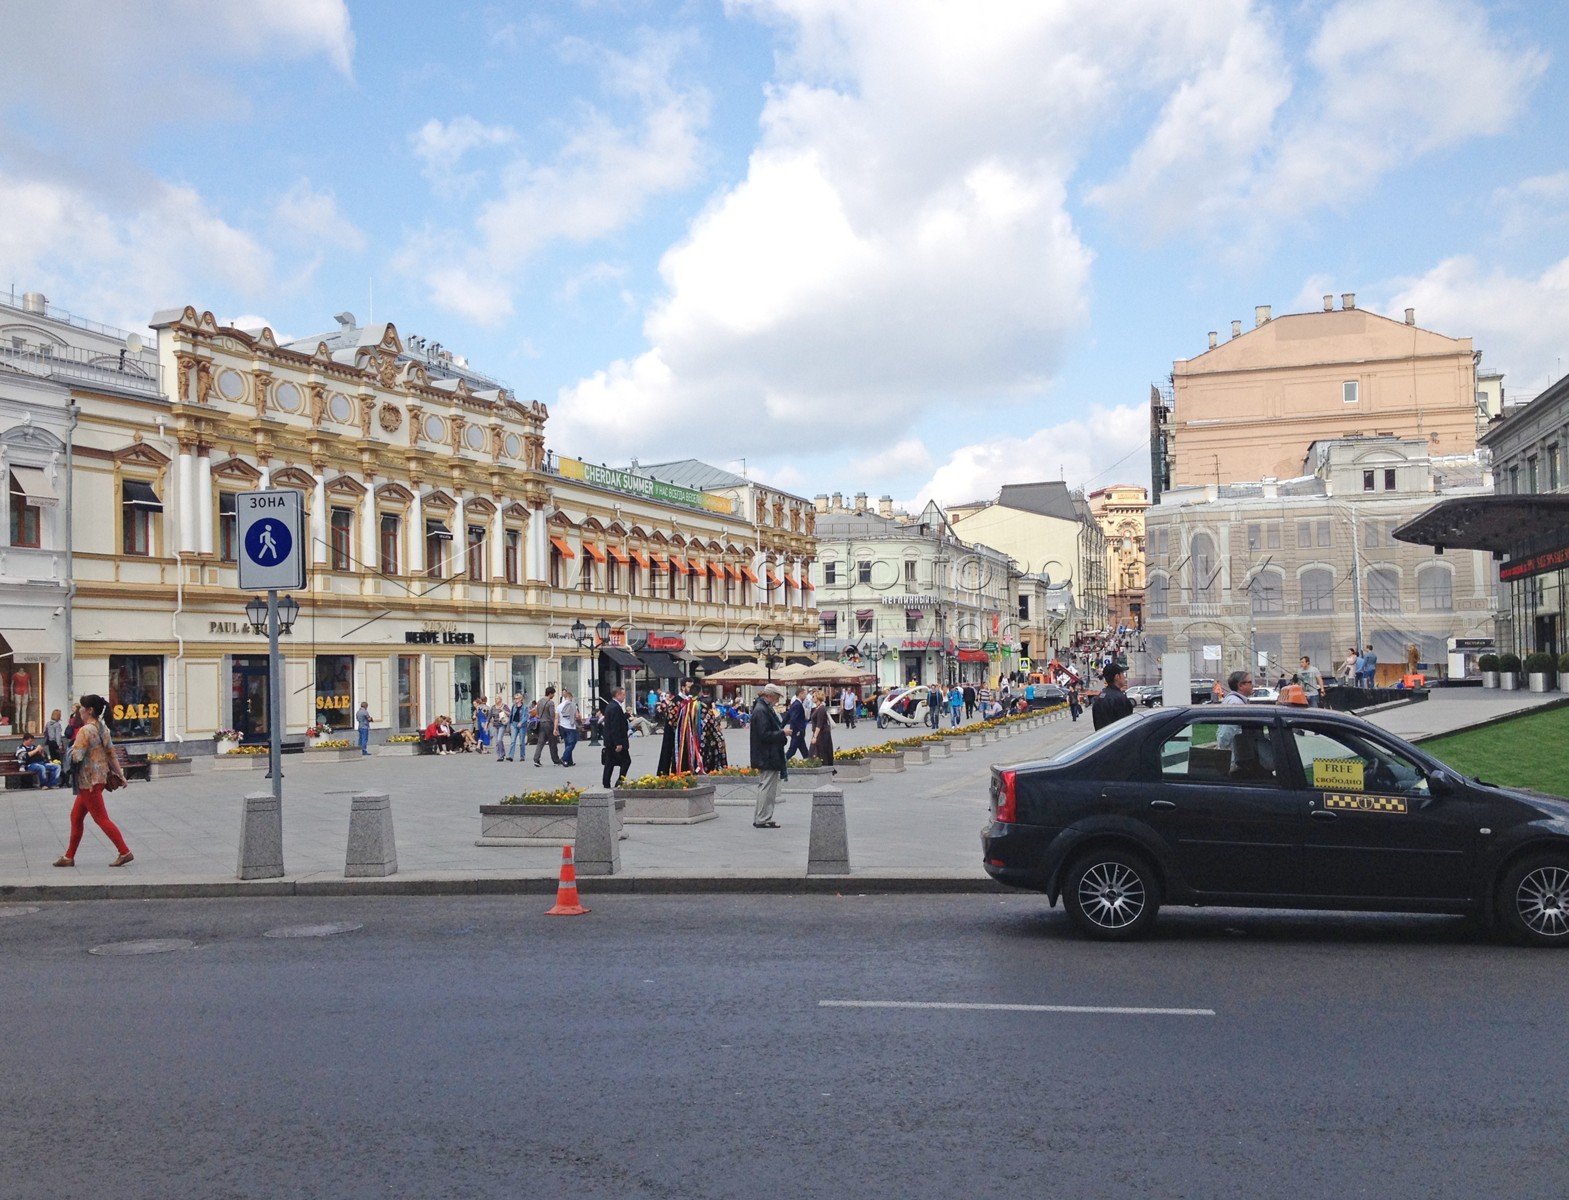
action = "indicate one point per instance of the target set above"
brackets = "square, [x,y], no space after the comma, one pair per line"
[906,456]
[1246,142]
[597,182]
[1519,323]
[442,145]
[1534,206]
[309,216]
[1104,446]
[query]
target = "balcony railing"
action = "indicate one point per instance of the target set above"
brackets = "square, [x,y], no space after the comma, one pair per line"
[136,373]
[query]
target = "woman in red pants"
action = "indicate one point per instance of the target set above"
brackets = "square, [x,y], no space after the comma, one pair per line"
[93,752]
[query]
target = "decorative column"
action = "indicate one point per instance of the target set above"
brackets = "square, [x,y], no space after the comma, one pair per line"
[416,535]
[203,501]
[185,498]
[498,543]
[370,545]
[535,544]
[319,518]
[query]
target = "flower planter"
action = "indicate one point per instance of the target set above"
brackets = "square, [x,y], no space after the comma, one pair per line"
[736,791]
[1540,682]
[668,806]
[942,749]
[886,763]
[225,746]
[1509,681]
[974,742]
[168,770]
[806,779]
[1563,681]
[916,754]
[397,749]
[527,824]
[1489,679]
[239,762]
[313,755]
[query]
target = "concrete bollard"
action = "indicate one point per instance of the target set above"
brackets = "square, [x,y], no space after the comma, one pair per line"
[373,849]
[597,850]
[828,851]
[261,837]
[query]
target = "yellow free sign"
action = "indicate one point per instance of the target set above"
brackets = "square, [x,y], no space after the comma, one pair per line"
[1337,774]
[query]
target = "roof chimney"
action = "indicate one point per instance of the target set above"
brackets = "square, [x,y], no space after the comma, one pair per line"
[860,502]
[885,507]
[1260,315]
[1236,329]
[1213,339]
[35,302]
[1329,302]
[820,502]
[1410,316]
[838,502]
[1348,300]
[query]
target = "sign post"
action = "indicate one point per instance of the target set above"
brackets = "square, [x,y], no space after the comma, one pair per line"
[270,526]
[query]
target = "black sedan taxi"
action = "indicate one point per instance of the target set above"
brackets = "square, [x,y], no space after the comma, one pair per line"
[1265,806]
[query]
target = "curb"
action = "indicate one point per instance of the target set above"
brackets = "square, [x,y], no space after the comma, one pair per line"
[607,885]
[1491,721]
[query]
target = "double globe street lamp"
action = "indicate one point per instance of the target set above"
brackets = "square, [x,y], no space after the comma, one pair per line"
[769,650]
[587,639]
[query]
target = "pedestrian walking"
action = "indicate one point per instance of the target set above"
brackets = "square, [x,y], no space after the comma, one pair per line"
[969,701]
[549,731]
[934,705]
[1075,701]
[566,717]
[796,720]
[362,723]
[616,751]
[847,705]
[1312,681]
[715,756]
[822,735]
[519,726]
[956,704]
[482,722]
[1349,668]
[768,754]
[96,769]
[500,720]
[1112,704]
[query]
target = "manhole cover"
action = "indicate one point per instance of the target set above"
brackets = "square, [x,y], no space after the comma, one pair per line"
[290,931]
[150,946]
[12,910]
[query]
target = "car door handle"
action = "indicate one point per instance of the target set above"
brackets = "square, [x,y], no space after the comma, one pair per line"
[1322,814]
[1162,804]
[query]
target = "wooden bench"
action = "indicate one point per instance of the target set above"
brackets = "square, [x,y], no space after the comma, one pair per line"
[134,767]
[14,775]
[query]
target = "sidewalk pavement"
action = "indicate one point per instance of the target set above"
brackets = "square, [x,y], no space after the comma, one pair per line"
[913,831]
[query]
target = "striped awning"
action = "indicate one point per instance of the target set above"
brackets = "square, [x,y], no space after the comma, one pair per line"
[620,555]
[594,552]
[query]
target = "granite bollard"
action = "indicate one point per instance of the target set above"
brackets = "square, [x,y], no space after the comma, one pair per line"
[828,848]
[261,837]
[373,849]
[597,848]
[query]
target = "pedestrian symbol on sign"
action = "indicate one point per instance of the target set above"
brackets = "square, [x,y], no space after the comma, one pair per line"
[268,541]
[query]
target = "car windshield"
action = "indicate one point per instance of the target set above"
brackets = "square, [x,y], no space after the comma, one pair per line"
[1100,737]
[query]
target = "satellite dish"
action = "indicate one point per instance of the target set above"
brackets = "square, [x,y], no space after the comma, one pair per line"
[133,343]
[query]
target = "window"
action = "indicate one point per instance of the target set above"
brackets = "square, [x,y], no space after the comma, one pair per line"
[1024,608]
[1157,595]
[1265,593]
[830,621]
[437,535]
[1323,533]
[138,503]
[1371,534]
[863,622]
[135,697]
[1435,589]
[912,622]
[26,518]
[476,553]
[1350,391]
[1272,536]
[228,529]
[1305,534]
[1389,479]
[830,572]
[613,575]
[340,539]
[390,529]
[1553,469]
[1203,569]
[585,576]
[1530,475]
[1344,762]
[1161,542]
[335,690]
[1255,537]
[555,567]
[1367,481]
[634,581]
[509,555]
[408,692]
[1208,751]
[863,572]
[909,571]
[1318,590]
[1383,589]
[1514,481]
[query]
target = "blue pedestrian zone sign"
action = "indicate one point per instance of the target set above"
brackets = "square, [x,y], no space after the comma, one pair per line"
[272,541]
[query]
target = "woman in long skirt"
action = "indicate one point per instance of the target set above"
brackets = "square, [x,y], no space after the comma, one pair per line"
[822,748]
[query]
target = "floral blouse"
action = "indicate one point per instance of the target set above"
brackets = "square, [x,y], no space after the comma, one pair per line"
[91,751]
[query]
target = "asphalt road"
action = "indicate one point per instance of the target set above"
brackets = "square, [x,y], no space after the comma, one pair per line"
[681,1047]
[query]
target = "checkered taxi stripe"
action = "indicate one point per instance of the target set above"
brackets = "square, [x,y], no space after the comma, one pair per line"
[1366,803]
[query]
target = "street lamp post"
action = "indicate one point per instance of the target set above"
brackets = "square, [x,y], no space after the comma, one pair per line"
[769,648]
[279,616]
[586,640]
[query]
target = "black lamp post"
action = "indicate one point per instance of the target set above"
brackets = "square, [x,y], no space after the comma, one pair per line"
[768,648]
[277,616]
[586,640]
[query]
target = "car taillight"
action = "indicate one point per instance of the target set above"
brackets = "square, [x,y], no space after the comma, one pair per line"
[1006,800]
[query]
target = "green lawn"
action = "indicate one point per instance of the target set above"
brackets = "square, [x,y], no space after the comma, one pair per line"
[1529,752]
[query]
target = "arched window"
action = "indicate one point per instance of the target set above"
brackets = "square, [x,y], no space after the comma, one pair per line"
[1204,569]
[1435,589]
[1383,590]
[1265,593]
[1318,590]
[1157,596]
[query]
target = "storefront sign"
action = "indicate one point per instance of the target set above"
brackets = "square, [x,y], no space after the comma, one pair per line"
[911,601]
[641,485]
[1535,564]
[243,628]
[666,641]
[432,637]
[925,644]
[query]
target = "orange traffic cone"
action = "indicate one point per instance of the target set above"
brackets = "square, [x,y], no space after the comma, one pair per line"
[566,892]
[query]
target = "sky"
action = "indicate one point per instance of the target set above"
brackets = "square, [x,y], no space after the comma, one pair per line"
[919,248]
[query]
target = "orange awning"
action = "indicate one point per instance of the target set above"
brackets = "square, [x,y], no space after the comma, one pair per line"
[594,552]
[677,565]
[807,585]
[733,571]
[790,579]
[640,558]
[619,555]
[696,566]
[659,560]
[561,545]
[773,580]
[747,573]
[717,570]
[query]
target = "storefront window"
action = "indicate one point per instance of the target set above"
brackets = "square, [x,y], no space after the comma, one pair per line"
[468,674]
[135,697]
[335,690]
[21,694]
[408,693]
[523,676]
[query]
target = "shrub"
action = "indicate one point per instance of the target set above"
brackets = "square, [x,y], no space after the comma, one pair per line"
[1563,663]
[1539,663]
[1487,662]
[1509,664]
[402,739]
[567,795]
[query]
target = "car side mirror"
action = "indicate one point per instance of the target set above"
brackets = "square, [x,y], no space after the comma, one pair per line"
[1439,786]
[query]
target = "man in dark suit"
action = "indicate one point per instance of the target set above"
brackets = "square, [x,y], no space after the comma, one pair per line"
[768,756]
[1112,704]
[617,750]
[796,720]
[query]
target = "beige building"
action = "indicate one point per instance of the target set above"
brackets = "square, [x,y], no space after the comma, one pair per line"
[1249,407]
[1119,510]
[450,553]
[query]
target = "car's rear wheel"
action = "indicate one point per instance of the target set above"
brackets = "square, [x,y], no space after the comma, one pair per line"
[1533,900]
[1111,894]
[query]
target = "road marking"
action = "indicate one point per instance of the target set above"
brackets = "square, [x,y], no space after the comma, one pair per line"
[1038,1008]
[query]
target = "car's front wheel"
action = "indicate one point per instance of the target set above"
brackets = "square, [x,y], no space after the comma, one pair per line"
[1533,900]
[1111,895]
